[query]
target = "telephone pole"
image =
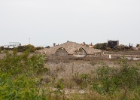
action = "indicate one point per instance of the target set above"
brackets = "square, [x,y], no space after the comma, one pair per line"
[29,40]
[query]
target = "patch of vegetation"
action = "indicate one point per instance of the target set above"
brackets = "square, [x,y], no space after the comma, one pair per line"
[82,80]
[19,76]
[24,77]
[110,80]
[26,47]
[39,48]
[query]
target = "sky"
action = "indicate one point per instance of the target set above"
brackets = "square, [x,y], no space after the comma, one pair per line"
[45,22]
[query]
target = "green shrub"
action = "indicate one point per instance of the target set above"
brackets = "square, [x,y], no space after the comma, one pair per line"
[112,79]
[21,87]
[13,63]
[105,75]
[82,80]
[39,48]
[26,47]
[19,76]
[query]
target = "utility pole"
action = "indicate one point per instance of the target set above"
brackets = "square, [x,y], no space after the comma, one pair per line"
[29,40]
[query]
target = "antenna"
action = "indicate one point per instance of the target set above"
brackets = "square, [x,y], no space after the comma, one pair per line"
[29,40]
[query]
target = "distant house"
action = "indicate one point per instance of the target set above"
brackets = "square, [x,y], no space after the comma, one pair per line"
[12,45]
[113,44]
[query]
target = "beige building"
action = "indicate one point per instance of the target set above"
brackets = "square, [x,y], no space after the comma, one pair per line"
[70,48]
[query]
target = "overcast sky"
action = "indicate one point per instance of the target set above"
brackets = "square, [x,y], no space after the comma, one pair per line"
[49,21]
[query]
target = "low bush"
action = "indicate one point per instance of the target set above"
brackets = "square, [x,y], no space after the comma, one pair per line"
[110,79]
[82,80]
[38,48]
[26,47]
[20,87]
[19,76]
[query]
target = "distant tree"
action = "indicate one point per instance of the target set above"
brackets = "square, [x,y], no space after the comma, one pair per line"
[39,48]
[26,47]
[30,47]
[102,46]
[2,47]
[138,45]
[121,46]
[47,47]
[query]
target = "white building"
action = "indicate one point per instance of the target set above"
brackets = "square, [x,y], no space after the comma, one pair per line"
[12,45]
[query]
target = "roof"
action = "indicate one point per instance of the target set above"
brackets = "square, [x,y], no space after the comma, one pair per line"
[70,47]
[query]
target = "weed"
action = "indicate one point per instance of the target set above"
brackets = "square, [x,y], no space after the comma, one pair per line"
[18,78]
[113,79]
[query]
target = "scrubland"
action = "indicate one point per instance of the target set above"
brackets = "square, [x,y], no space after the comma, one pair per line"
[34,76]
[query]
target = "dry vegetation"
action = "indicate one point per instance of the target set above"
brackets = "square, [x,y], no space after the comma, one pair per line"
[63,78]
[78,75]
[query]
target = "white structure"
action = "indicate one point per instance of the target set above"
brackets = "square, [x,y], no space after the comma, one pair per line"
[109,56]
[6,46]
[12,45]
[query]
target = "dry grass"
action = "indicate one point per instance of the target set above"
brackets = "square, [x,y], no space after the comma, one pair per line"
[61,68]
[68,68]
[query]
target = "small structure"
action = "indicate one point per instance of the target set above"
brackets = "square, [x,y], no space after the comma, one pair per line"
[12,45]
[70,48]
[109,56]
